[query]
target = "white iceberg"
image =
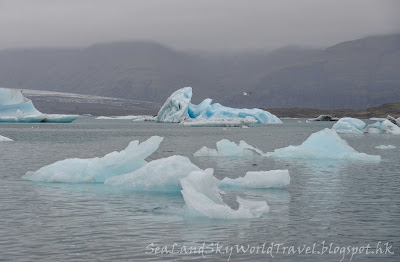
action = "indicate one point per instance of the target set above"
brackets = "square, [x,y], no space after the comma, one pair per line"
[325,144]
[384,127]
[14,107]
[158,175]
[385,147]
[97,169]
[5,139]
[178,107]
[348,125]
[203,199]
[228,148]
[220,122]
[137,118]
[259,179]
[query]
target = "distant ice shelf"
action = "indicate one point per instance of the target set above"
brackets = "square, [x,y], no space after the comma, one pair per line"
[179,107]
[14,107]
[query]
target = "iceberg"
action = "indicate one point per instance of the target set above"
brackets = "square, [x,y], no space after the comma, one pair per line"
[97,169]
[259,179]
[384,127]
[178,107]
[228,148]
[324,118]
[220,122]
[130,117]
[325,144]
[158,175]
[203,199]
[385,147]
[348,125]
[5,139]
[14,107]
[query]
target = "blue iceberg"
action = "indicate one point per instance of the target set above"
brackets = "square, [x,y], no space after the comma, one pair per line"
[14,107]
[178,107]
[325,144]
[98,169]
[348,125]
[384,127]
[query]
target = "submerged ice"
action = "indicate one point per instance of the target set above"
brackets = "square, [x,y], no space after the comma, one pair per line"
[97,169]
[325,144]
[178,107]
[203,199]
[14,107]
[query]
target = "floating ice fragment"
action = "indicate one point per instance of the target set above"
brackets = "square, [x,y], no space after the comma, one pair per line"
[97,169]
[348,125]
[5,139]
[129,117]
[176,106]
[158,175]
[384,127]
[203,199]
[220,122]
[325,144]
[228,148]
[385,147]
[259,179]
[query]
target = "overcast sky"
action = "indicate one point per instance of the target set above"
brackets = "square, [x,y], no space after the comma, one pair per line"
[210,25]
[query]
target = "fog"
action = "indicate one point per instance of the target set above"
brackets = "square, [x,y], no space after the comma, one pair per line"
[209,25]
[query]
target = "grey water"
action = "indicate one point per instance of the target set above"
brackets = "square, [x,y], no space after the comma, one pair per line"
[348,204]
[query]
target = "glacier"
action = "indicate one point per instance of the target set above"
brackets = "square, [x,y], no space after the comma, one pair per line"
[324,144]
[384,127]
[348,125]
[15,107]
[5,139]
[178,107]
[203,199]
[158,175]
[385,147]
[228,148]
[97,169]
[259,179]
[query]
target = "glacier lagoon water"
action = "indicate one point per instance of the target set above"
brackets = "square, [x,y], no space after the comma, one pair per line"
[344,203]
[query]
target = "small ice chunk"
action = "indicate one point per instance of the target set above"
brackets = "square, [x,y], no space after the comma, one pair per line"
[348,125]
[259,179]
[75,170]
[158,175]
[203,199]
[228,148]
[385,147]
[5,139]
[135,118]
[325,144]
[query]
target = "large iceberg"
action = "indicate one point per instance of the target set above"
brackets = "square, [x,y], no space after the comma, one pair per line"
[158,175]
[178,107]
[203,199]
[259,179]
[97,169]
[348,125]
[228,148]
[384,127]
[5,139]
[14,107]
[325,144]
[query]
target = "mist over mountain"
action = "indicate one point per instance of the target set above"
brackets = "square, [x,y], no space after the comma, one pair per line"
[354,74]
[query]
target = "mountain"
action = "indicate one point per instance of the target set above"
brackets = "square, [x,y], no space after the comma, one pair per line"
[355,74]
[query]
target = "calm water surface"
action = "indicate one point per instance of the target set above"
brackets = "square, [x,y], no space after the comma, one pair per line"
[347,204]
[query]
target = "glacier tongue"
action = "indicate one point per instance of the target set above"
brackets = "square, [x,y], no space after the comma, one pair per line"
[178,107]
[203,199]
[14,107]
[97,169]
[325,144]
